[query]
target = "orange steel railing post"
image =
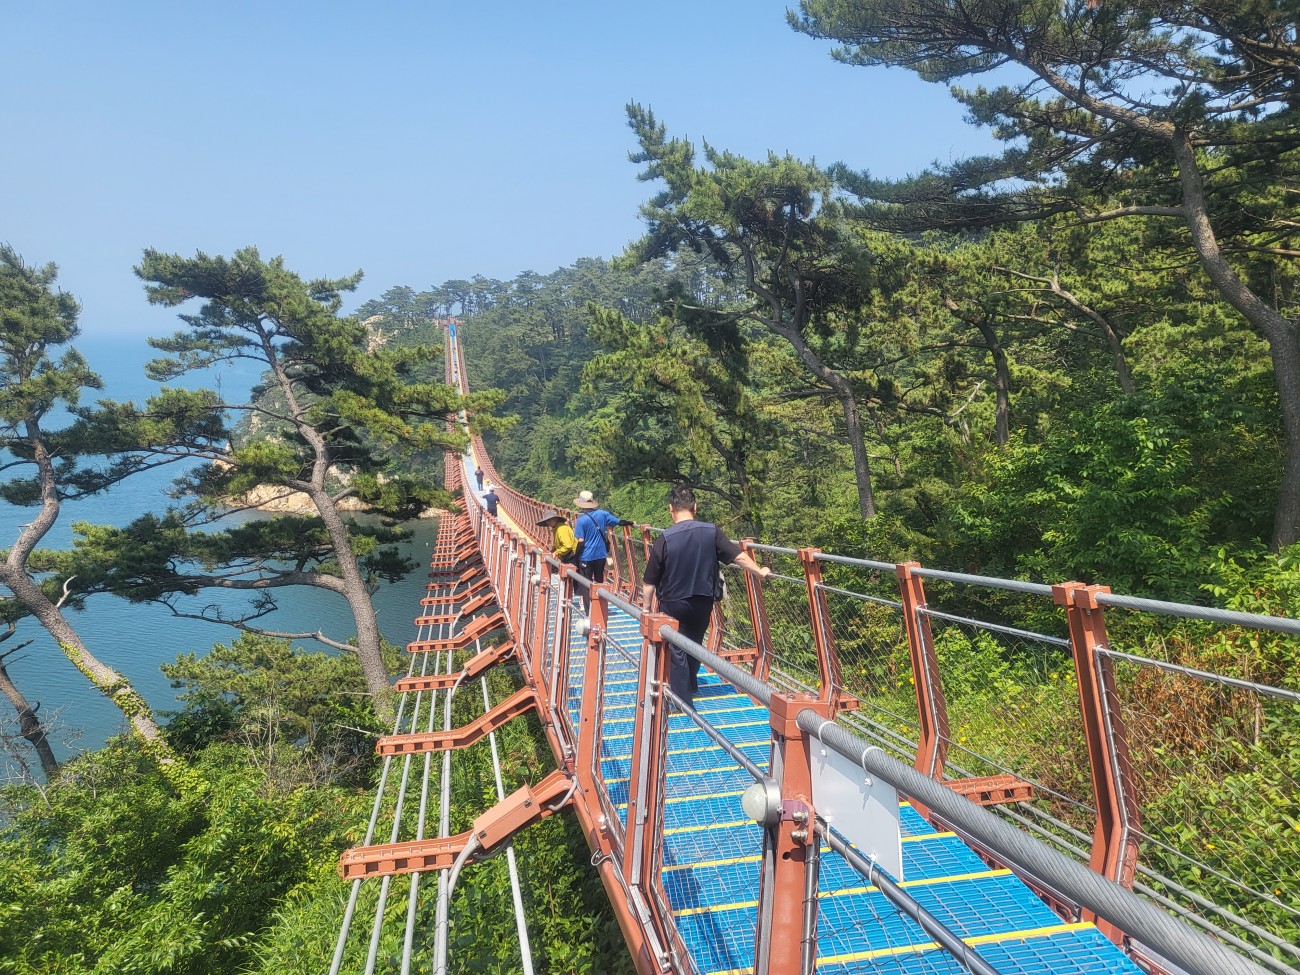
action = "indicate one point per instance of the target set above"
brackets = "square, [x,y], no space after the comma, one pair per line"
[613,571]
[541,614]
[503,565]
[758,617]
[786,933]
[559,666]
[593,680]
[1114,842]
[509,562]
[828,659]
[643,846]
[632,582]
[527,605]
[519,576]
[494,560]
[717,623]
[932,708]
[506,593]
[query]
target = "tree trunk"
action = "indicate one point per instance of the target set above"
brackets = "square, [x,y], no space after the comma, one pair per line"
[13,575]
[378,680]
[29,724]
[1267,321]
[1116,346]
[750,520]
[1126,384]
[1001,381]
[108,681]
[858,445]
[843,390]
[1286,371]
[369,653]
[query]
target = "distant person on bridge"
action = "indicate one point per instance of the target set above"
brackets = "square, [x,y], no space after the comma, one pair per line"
[478,476]
[490,501]
[682,571]
[564,546]
[593,549]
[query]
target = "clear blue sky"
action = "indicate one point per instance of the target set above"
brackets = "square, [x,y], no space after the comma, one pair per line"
[418,141]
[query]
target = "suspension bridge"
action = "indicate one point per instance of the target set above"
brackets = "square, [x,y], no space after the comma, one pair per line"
[887,769]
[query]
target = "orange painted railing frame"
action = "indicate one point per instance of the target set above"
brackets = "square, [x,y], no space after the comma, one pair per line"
[1115,843]
[932,707]
[643,854]
[786,931]
[529,607]
[758,618]
[823,633]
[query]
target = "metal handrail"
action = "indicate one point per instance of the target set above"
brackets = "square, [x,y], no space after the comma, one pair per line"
[1141,920]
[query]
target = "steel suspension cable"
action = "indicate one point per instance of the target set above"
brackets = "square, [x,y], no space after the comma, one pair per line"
[377,929]
[444,830]
[521,922]
[408,942]
[346,925]
[947,938]
[1171,938]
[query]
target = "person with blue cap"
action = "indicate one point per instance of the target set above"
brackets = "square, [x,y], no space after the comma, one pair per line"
[593,548]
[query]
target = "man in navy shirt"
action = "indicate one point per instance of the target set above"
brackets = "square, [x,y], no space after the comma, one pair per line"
[682,571]
[490,501]
[590,530]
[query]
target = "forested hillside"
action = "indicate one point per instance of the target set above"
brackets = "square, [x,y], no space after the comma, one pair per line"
[1043,402]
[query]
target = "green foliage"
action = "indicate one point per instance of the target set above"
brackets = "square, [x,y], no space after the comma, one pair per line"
[676,408]
[1134,494]
[570,926]
[109,868]
[327,378]
[43,467]
[301,713]
[530,337]
[1159,117]
[1228,806]
[34,317]
[113,871]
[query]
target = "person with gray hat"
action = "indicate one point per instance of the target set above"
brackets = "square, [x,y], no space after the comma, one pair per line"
[564,546]
[593,549]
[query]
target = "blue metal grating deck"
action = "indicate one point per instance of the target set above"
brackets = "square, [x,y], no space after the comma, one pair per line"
[712,854]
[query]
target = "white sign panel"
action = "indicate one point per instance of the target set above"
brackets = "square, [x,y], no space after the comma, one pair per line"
[860,807]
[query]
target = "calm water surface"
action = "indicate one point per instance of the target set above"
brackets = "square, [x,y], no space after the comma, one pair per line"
[136,639]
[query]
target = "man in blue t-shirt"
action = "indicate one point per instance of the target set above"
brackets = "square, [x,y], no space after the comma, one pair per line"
[590,531]
[490,500]
[682,570]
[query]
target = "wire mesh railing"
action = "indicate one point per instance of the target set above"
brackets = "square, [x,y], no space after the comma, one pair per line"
[871,639]
[1013,709]
[1213,740]
[733,618]
[794,653]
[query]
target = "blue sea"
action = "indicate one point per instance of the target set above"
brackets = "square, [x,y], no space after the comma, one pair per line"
[135,639]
